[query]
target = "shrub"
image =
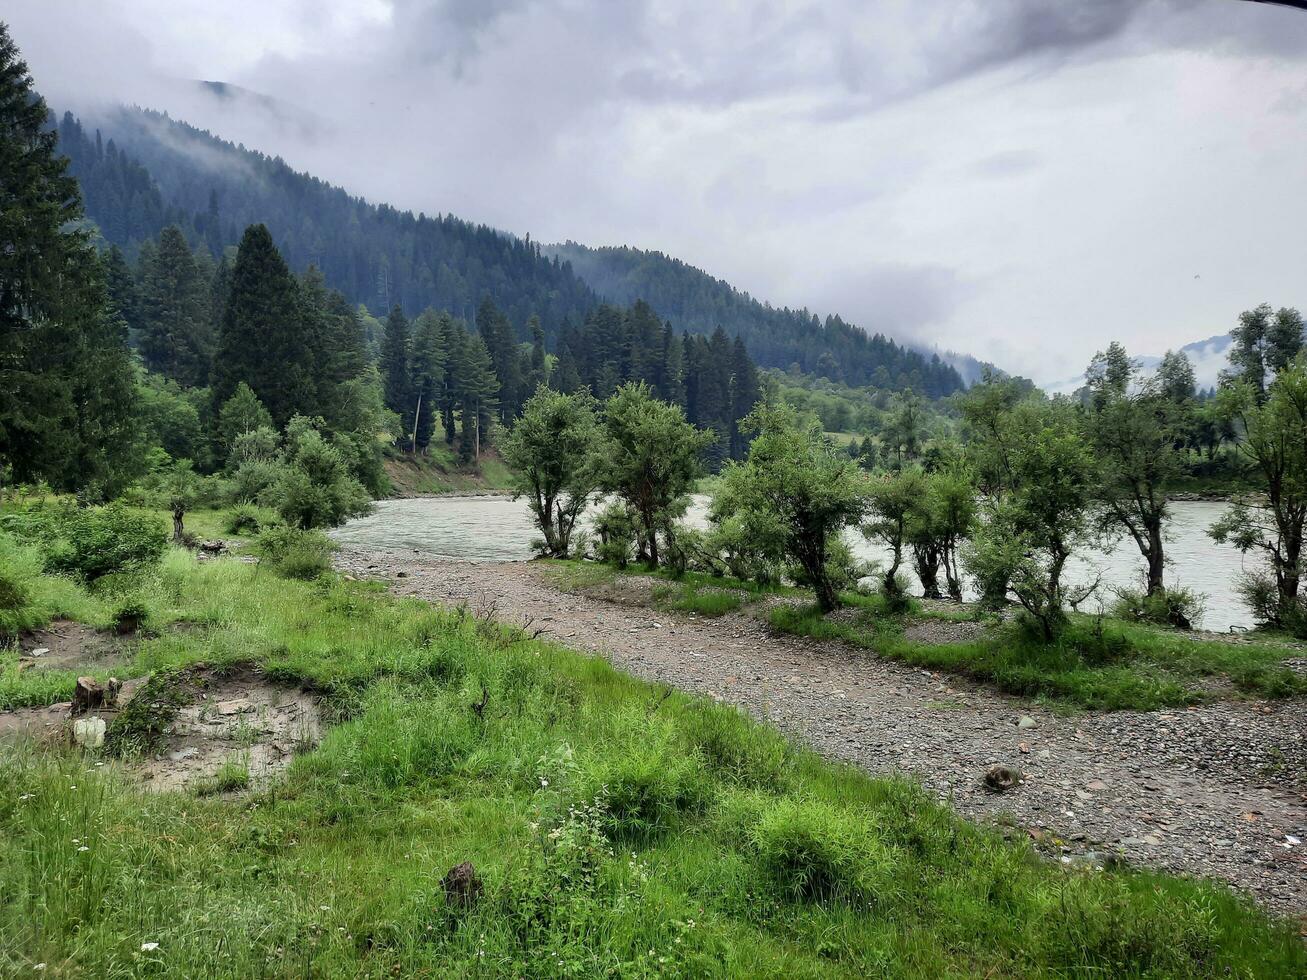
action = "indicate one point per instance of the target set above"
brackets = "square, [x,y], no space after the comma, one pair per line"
[813,850]
[648,778]
[615,528]
[142,724]
[293,553]
[130,616]
[1181,608]
[93,542]
[250,519]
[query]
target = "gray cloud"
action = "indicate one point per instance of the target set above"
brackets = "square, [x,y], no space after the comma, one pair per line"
[1022,179]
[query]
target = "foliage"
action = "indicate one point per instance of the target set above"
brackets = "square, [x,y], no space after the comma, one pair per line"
[294,553]
[66,382]
[554,450]
[793,495]
[651,459]
[315,487]
[249,519]
[89,543]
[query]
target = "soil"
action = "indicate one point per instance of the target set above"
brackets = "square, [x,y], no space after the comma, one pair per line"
[1218,791]
[237,715]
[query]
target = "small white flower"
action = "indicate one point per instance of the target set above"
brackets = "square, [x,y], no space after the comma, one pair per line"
[82,848]
[325,908]
[22,799]
[39,967]
[149,947]
[543,781]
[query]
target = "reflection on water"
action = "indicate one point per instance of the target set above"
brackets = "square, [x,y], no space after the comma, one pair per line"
[500,529]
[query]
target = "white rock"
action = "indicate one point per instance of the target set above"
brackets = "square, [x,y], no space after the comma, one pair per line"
[1026,722]
[89,732]
[39,652]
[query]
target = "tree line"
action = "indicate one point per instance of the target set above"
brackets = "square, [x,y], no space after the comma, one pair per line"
[1003,502]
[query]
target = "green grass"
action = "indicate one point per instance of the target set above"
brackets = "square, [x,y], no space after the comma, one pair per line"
[440,471]
[1121,666]
[692,592]
[619,829]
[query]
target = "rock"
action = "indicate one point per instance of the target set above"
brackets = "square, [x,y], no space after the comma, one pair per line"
[39,652]
[90,694]
[1000,779]
[462,886]
[1096,785]
[89,732]
[237,706]
[1044,755]
[213,547]
[401,575]
[1026,722]
[181,755]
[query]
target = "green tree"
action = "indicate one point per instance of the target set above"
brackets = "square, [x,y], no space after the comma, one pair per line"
[66,381]
[396,377]
[554,452]
[794,493]
[176,337]
[652,457]
[263,339]
[1275,442]
[315,487]
[1109,373]
[241,413]
[428,374]
[1042,515]
[1136,437]
[1265,342]
[893,501]
[477,390]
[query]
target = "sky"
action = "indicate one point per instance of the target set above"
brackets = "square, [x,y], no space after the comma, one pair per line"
[1021,180]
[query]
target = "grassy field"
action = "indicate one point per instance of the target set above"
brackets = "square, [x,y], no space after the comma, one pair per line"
[619,829]
[1104,665]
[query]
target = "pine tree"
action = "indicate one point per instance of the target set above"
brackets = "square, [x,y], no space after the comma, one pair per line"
[66,392]
[428,373]
[478,389]
[175,337]
[745,393]
[394,366]
[497,333]
[264,341]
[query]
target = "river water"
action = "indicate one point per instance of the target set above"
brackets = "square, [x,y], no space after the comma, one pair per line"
[500,529]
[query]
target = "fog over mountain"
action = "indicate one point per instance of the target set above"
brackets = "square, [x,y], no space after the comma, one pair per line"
[1019,181]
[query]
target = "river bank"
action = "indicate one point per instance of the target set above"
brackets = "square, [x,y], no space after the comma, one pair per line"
[1215,790]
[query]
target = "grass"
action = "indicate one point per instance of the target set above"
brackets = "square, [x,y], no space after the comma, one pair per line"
[619,829]
[440,471]
[1112,666]
[1109,666]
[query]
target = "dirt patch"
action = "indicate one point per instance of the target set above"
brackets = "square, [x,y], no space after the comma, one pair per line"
[236,722]
[65,645]
[234,729]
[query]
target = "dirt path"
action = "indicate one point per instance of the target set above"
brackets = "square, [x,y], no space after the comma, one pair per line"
[1218,791]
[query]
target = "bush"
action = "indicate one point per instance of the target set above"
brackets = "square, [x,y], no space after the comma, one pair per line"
[129,617]
[648,778]
[813,850]
[93,542]
[293,553]
[615,528]
[1181,608]
[250,519]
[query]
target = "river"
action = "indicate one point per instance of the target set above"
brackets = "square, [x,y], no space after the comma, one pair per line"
[500,529]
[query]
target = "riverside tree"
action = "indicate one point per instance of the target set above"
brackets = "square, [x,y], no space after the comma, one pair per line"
[651,460]
[892,504]
[1040,515]
[1137,432]
[1275,441]
[553,450]
[795,493]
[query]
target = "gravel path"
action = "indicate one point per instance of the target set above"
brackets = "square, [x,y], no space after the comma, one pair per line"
[1218,791]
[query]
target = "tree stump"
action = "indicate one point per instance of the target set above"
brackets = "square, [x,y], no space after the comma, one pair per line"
[462,886]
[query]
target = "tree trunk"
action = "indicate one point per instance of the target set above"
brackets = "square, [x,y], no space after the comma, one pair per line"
[1156,558]
[927,562]
[178,531]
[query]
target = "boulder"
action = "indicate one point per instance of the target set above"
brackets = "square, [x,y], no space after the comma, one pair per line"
[89,732]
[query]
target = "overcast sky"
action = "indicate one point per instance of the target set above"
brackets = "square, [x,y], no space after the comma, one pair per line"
[1020,180]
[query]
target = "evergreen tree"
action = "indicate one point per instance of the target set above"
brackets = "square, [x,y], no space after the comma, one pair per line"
[263,341]
[66,387]
[478,389]
[175,329]
[428,367]
[497,334]
[395,375]
[745,394]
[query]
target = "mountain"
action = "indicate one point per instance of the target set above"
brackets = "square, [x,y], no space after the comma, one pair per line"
[142,170]
[777,337]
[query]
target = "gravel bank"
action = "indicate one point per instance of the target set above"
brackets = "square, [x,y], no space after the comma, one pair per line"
[1218,791]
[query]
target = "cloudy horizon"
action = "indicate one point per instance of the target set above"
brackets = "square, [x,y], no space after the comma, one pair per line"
[1019,181]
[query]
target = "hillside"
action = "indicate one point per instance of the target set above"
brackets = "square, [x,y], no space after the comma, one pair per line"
[777,337]
[141,171]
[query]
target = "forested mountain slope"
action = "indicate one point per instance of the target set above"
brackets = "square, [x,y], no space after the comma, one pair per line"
[777,337]
[141,171]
